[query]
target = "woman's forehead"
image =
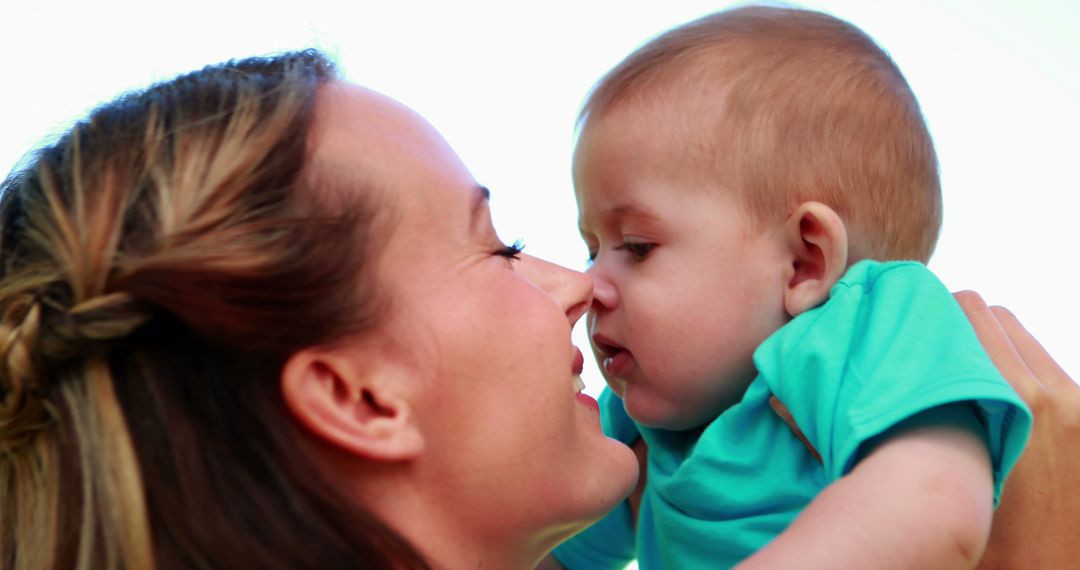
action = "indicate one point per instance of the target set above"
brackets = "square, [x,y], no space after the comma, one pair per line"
[367,142]
[384,141]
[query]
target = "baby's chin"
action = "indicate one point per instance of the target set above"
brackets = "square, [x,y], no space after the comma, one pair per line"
[653,411]
[617,385]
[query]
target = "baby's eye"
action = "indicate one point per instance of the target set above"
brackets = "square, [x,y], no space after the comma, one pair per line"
[637,250]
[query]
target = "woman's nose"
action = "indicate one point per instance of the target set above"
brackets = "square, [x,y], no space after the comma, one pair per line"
[571,290]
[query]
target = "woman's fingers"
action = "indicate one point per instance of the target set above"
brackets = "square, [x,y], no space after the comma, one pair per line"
[641,450]
[1039,516]
[999,346]
[1038,361]
[785,414]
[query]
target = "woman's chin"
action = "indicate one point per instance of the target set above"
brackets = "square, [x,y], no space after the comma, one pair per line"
[619,476]
[629,468]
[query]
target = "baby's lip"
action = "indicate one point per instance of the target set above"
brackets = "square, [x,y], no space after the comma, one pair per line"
[605,346]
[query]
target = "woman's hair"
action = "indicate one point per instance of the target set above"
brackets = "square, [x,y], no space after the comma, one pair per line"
[158,265]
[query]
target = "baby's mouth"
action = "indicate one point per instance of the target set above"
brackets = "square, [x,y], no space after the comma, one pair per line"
[614,358]
[605,346]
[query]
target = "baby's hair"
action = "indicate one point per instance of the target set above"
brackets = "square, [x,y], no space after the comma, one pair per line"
[787,105]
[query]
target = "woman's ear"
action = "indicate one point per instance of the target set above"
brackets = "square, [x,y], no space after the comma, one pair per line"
[356,407]
[818,245]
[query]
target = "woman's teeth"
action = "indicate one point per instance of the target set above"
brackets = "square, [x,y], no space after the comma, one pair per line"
[579,384]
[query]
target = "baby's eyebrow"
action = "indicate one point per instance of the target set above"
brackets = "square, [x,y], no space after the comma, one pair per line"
[633,212]
[481,196]
[619,214]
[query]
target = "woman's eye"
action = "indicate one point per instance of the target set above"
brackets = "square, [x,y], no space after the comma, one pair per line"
[511,251]
[637,250]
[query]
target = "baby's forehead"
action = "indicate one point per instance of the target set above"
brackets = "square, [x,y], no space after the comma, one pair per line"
[651,146]
[670,91]
[678,130]
[649,120]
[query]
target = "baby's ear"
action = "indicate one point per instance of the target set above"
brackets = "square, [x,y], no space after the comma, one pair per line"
[356,405]
[817,242]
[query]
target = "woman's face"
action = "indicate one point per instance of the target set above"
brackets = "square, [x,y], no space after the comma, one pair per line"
[510,443]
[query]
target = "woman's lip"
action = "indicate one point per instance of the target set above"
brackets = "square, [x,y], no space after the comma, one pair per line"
[587,400]
[579,362]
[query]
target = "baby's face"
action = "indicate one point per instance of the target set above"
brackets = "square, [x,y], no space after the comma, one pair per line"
[684,291]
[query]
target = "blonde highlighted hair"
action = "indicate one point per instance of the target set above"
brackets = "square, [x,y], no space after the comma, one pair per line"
[785,106]
[158,264]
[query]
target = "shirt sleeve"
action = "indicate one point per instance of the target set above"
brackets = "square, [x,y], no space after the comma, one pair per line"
[890,342]
[610,542]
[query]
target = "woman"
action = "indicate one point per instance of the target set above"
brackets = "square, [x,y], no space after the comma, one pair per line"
[257,317]
[184,248]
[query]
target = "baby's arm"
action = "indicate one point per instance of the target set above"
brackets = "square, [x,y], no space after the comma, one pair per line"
[921,498]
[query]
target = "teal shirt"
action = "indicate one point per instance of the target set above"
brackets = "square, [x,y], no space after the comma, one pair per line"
[888,344]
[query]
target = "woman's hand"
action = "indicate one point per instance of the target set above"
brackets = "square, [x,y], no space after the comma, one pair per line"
[1038,521]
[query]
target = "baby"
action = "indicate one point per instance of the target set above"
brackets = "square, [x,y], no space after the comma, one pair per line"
[742,183]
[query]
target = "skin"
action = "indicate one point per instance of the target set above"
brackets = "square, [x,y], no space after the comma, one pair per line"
[460,422]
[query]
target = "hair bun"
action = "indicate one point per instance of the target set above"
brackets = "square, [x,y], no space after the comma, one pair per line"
[37,335]
[93,322]
[22,410]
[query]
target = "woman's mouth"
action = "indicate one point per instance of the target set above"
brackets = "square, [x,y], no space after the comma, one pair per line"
[576,367]
[588,401]
[579,385]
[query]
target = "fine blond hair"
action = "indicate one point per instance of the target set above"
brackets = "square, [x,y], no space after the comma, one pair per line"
[158,265]
[789,105]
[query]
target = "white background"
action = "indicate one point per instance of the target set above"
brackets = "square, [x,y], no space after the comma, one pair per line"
[999,83]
